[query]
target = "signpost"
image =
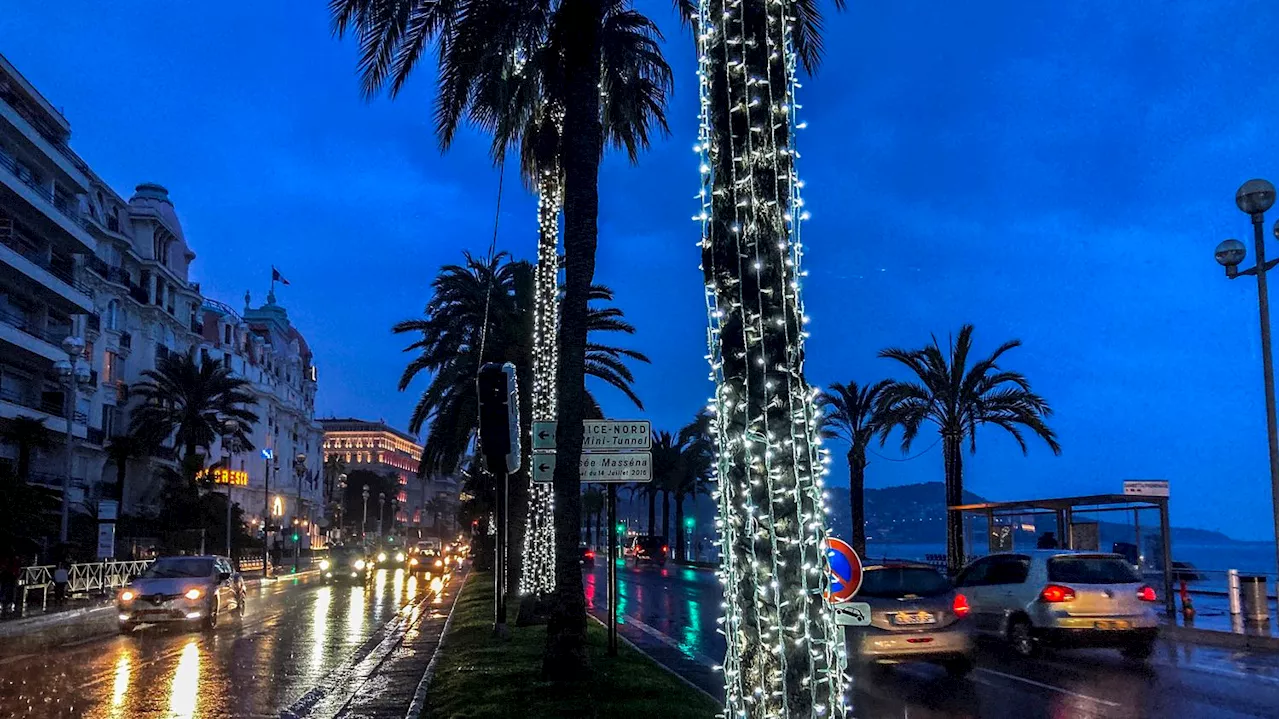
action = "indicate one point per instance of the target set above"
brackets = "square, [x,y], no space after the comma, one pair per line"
[106,540]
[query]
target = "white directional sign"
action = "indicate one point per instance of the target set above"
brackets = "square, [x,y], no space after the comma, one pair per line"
[853,614]
[1147,487]
[612,435]
[600,467]
[544,467]
[544,435]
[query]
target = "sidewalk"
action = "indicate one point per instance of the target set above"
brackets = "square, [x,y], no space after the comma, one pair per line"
[1213,625]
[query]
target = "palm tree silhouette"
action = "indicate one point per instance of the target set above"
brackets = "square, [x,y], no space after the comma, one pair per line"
[958,398]
[851,416]
[31,436]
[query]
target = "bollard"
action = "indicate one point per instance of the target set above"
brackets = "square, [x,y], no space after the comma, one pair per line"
[1233,591]
[1253,591]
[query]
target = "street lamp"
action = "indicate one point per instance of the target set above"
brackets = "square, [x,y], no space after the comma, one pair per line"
[299,469]
[73,375]
[342,501]
[1254,198]
[229,428]
[364,519]
[382,506]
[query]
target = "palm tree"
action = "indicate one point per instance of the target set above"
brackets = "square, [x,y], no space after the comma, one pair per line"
[192,403]
[30,435]
[480,45]
[593,501]
[697,460]
[666,477]
[749,55]
[850,415]
[958,398]
[120,449]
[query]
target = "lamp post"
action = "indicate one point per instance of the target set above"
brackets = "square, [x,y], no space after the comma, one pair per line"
[364,519]
[73,374]
[1254,198]
[382,508]
[269,459]
[229,428]
[299,469]
[342,501]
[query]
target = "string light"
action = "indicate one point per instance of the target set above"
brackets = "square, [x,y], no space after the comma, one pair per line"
[784,655]
[538,558]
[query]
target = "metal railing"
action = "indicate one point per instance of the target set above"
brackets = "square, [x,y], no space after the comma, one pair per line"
[99,577]
[27,178]
[48,405]
[12,238]
[29,327]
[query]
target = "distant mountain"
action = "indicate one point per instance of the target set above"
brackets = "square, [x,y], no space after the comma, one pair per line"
[915,514]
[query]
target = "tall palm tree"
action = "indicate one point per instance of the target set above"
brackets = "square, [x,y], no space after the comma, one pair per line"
[781,657]
[480,42]
[593,503]
[30,435]
[191,403]
[850,415]
[666,477]
[120,450]
[697,461]
[958,398]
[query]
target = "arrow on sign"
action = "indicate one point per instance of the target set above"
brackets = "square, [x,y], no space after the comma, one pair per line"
[544,467]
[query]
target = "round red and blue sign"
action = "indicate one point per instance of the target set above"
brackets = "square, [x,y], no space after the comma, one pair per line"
[846,571]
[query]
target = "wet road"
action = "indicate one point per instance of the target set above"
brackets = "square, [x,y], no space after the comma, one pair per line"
[303,648]
[671,612]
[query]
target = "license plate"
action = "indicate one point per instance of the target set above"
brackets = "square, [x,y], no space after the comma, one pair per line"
[1112,624]
[914,618]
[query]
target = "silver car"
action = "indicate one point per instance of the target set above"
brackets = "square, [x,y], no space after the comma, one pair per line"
[1062,598]
[182,589]
[916,616]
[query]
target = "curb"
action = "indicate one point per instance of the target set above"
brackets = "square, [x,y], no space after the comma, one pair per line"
[419,702]
[1215,638]
[657,663]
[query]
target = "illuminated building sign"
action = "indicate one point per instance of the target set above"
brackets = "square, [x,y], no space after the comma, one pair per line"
[222,475]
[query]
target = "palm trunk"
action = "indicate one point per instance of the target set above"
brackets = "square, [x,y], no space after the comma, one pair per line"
[781,654]
[951,454]
[680,545]
[653,501]
[857,501]
[666,516]
[565,658]
[538,567]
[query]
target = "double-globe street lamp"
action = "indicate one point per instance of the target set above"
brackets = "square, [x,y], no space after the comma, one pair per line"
[300,470]
[342,501]
[364,518]
[74,374]
[229,428]
[1254,198]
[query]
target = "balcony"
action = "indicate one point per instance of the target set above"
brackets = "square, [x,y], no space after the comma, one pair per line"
[20,252]
[110,273]
[63,212]
[139,294]
[197,326]
[49,407]
[93,323]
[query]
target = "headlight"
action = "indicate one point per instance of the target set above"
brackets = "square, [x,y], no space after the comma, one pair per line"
[127,595]
[439,563]
[359,564]
[399,556]
[382,556]
[324,564]
[193,594]
[413,562]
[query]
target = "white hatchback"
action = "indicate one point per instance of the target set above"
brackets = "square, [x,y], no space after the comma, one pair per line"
[182,589]
[1061,598]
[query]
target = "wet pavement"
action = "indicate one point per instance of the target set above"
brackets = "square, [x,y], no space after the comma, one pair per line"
[303,649]
[671,612]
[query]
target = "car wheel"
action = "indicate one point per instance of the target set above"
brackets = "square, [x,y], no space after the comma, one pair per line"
[1139,650]
[958,667]
[127,627]
[240,605]
[1020,639]
[210,620]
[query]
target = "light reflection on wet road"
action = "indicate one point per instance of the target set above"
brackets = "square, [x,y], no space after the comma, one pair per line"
[671,612]
[296,633]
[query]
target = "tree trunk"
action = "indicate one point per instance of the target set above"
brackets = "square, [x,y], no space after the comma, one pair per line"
[565,658]
[781,652]
[538,567]
[857,501]
[666,516]
[680,544]
[951,454]
[653,502]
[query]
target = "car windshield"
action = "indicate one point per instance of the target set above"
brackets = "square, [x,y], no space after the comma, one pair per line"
[895,582]
[1092,570]
[649,544]
[177,567]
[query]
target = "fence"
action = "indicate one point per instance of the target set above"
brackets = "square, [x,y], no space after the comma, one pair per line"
[100,577]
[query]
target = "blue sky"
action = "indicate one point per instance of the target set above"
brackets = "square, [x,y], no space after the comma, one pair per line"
[1058,173]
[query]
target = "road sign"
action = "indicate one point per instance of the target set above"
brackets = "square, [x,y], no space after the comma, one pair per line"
[1147,487]
[106,540]
[846,570]
[544,435]
[612,435]
[108,509]
[853,614]
[544,467]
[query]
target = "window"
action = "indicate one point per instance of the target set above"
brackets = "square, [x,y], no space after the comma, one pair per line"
[1092,570]
[1009,570]
[975,575]
[226,333]
[112,372]
[898,582]
[111,316]
[110,418]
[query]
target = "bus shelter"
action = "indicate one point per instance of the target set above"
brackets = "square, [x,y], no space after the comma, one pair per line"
[1001,516]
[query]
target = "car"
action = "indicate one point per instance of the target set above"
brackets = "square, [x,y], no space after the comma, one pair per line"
[198,590]
[916,616]
[346,564]
[1065,598]
[649,548]
[428,561]
[586,556]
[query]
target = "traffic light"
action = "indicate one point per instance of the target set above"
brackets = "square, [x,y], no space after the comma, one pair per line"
[688,522]
[622,528]
[499,417]
[295,536]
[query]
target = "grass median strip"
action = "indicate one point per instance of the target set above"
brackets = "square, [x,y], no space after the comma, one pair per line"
[480,676]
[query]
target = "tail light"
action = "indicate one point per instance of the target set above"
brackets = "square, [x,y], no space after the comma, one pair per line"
[1146,594]
[665,549]
[960,606]
[591,555]
[1055,593]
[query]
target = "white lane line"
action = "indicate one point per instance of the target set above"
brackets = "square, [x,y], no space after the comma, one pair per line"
[696,656]
[1050,687]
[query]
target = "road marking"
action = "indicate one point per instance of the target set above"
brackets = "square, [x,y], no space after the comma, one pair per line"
[696,656]
[1050,687]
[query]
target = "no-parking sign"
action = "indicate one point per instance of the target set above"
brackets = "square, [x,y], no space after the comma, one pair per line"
[846,571]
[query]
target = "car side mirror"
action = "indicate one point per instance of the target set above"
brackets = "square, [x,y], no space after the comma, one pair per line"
[224,576]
